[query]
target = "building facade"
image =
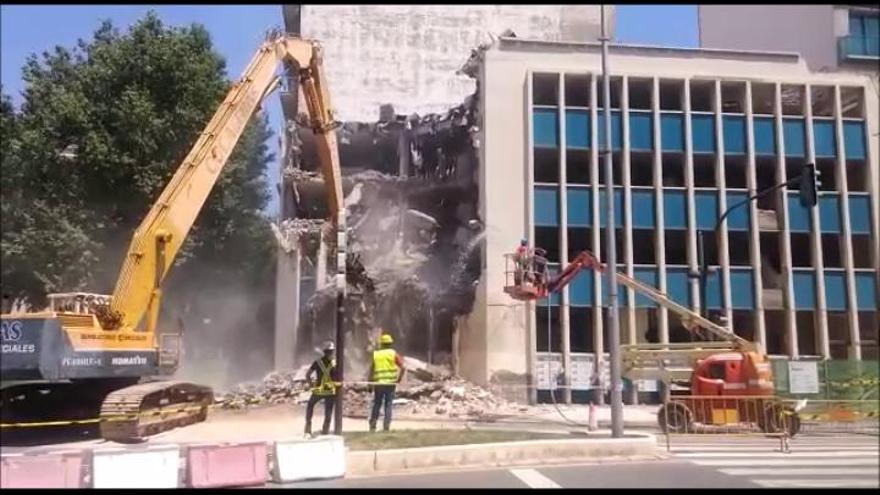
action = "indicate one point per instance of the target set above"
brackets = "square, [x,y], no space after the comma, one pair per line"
[693,132]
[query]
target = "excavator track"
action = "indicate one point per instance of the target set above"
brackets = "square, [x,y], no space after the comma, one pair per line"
[131,414]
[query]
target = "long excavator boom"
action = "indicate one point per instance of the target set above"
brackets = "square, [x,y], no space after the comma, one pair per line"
[161,234]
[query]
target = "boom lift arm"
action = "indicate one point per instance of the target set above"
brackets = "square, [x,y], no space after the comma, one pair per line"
[585,259]
[161,234]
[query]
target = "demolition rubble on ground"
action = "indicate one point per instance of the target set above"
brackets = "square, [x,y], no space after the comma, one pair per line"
[426,391]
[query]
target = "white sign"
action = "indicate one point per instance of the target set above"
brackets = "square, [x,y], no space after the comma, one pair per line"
[553,362]
[803,377]
[582,367]
[647,385]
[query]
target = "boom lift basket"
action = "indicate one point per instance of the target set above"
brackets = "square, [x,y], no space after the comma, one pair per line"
[521,281]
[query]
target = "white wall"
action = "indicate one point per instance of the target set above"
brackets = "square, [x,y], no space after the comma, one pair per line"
[407,55]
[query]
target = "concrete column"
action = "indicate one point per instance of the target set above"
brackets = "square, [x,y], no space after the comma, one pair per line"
[630,308]
[598,338]
[689,193]
[531,324]
[821,314]
[754,224]
[855,349]
[287,308]
[721,185]
[660,229]
[564,318]
[785,239]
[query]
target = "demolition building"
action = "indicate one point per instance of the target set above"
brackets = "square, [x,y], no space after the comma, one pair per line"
[407,142]
[449,193]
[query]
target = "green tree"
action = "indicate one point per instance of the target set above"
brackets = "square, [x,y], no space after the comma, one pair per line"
[102,128]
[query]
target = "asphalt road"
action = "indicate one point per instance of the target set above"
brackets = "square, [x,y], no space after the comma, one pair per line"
[833,461]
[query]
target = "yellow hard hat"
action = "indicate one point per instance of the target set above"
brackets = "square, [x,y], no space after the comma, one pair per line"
[386,339]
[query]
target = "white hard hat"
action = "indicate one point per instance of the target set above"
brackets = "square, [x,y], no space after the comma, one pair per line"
[329,346]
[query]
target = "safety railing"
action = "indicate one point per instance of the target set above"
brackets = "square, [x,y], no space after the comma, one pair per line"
[764,416]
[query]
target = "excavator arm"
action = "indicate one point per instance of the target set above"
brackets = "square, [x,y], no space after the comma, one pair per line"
[159,237]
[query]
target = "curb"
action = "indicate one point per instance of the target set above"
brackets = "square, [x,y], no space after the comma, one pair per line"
[391,461]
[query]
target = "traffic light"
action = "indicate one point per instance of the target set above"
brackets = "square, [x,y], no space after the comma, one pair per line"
[809,184]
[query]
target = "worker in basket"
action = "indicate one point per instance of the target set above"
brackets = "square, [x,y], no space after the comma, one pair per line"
[522,257]
[386,371]
[539,261]
[322,390]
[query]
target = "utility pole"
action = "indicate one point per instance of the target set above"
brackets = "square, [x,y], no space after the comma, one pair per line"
[611,305]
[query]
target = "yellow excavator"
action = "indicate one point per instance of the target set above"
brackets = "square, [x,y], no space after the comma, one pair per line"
[89,354]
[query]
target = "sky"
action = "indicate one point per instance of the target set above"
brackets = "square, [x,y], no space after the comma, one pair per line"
[237,30]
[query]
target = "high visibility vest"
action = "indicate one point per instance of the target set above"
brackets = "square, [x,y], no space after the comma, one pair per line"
[325,385]
[384,368]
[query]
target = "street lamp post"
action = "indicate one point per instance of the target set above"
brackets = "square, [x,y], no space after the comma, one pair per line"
[611,303]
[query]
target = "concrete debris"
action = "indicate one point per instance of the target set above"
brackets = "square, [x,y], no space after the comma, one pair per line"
[444,395]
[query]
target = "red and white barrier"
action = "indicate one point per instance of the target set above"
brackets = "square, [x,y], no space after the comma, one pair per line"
[320,458]
[226,465]
[143,467]
[57,470]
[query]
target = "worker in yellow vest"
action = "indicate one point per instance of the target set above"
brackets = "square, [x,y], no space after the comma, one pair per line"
[386,371]
[324,389]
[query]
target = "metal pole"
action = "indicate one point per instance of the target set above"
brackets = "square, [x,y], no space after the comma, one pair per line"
[611,301]
[340,319]
[704,272]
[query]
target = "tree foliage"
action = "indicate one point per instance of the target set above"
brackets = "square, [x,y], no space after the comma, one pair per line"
[102,128]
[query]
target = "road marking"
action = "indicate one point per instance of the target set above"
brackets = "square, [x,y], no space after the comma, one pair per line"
[534,479]
[794,453]
[789,462]
[818,483]
[798,471]
[771,446]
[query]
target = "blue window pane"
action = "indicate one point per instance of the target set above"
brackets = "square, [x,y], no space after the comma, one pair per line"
[734,135]
[860,214]
[804,285]
[672,131]
[643,209]
[741,289]
[677,285]
[765,137]
[616,129]
[546,128]
[854,139]
[674,209]
[823,135]
[640,132]
[738,219]
[835,290]
[829,213]
[577,129]
[856,26]
[580,208]
[647,276]
[866,291]
[706,204]
[798,216]
[793,135]
[580,292]
[703,133]
[618,208]
[546,206]
[713,290]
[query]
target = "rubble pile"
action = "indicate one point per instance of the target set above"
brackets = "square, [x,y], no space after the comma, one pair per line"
[426,391]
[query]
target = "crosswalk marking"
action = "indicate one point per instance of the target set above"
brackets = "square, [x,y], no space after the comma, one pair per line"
[812,463]
[533,478]
[829,483]
[765,453]
[803,471]
[788,462]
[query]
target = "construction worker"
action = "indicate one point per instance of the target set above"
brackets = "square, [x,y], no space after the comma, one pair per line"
[386,371]
[521,259]
[324,368]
